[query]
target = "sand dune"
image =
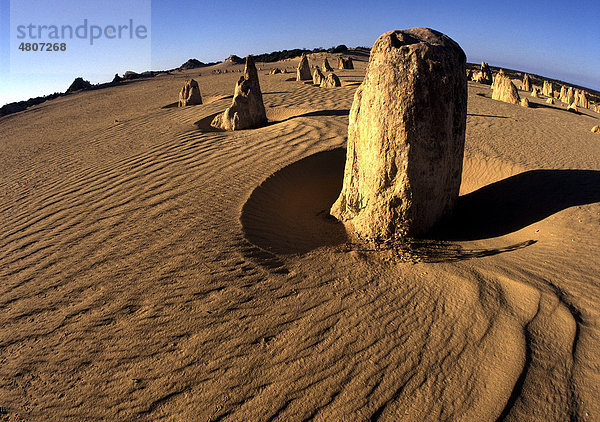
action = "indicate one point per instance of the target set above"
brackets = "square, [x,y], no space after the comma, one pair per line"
[152,268]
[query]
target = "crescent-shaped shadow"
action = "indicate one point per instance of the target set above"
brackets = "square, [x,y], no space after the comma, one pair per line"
[289,212]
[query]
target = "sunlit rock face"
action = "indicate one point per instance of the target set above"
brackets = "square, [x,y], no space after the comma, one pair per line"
[526,86]
[303,70]
[406,136]
[190,94]
[247,109]
[504,90]
[331,81]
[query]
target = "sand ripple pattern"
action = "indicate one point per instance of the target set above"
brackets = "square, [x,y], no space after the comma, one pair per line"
[136,283]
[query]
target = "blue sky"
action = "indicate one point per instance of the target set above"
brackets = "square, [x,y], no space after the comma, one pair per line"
[553,38]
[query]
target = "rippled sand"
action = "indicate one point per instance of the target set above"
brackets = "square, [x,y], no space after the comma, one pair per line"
[152,268]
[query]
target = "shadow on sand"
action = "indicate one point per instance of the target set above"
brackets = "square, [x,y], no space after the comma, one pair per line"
[554,107]
[487,115]
[318,113]
[289,212]
[204,123]
[518,201]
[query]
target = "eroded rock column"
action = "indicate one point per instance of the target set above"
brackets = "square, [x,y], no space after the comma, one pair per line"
[190,94]
[406,136]
[247,110]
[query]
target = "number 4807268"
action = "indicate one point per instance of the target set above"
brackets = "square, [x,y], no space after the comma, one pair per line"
[43,46]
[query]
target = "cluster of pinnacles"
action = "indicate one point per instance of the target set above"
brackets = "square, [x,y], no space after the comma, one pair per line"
[317,77]
[503,89]
[406,130]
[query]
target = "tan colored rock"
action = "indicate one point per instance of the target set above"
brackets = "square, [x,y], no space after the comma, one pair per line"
[318,76]
[524,102]
[504,90]
[247,109]
[276,71]
[596,129]
[303,71]
[550,100]
[534,92]
[526,86]
[406,136]
[548,89]
[190,94]
[469,75]
[327,66]
[582,100]
[563,94]
[573,107]
[570,97]
[345,63]
[484,76]
[331,81]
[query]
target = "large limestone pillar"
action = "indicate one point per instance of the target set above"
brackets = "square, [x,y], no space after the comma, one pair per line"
[406,136]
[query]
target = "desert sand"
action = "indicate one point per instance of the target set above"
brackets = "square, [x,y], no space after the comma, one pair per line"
[154,268]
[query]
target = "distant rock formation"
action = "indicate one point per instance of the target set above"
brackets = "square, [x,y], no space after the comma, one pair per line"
[469,75]
[318,76]
[247,109]
[504,90]
[573,107]
[131,75]
[117,79]
[406,136]
[582,100]
[550,100]
[79,84]
[596,129]
[534,92]
[191,64]
[526,86]
[524,102]
[303,71]
[233,59]
[570,96]
[484,76]
[190,94]
[327,66]
[563,94]
[345,63]
[548,89]
[330,81]
[276,71]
